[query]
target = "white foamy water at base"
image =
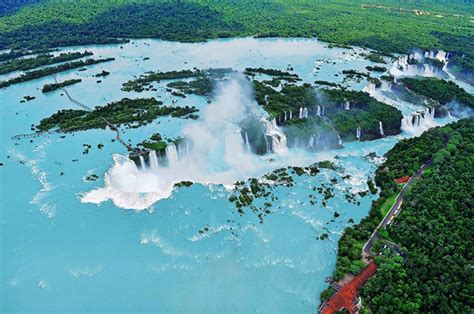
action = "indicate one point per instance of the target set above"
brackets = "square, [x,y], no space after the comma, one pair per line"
[216,156]
[191,250]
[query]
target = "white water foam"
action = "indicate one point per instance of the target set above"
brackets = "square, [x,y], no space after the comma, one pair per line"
[216,156]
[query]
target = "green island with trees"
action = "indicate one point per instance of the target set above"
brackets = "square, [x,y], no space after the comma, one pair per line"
[132,112]
[35,74]
[39,61]
[54,86]
[18,53]
[155,142]
[434,229]
[364,111]
[256,195]
[198,82]
[442,91]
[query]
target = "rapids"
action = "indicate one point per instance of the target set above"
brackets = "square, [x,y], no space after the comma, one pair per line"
[133,241]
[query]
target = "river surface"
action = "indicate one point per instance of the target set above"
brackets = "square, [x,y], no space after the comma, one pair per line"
[61,252]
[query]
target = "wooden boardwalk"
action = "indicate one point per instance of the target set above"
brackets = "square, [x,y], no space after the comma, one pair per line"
[112,126]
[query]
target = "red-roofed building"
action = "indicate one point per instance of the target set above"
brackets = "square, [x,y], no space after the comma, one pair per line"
[346,296]
[403,179]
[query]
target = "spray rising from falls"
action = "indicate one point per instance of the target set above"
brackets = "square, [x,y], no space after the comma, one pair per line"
[419,121]
[276,136]
[420,64]
[215,150]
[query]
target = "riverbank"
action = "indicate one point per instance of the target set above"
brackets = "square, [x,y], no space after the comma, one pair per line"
[403,159]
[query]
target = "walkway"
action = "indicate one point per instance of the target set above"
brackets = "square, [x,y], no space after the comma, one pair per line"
[112,126]
[393,212]
[345,297]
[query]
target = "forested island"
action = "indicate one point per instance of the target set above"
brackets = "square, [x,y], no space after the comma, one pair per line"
[434,229]
[337,113]
[334,109]
[54,86]
[442,91]
[35,74]
[40,60]
[125,111]
[18,53]
[198,82]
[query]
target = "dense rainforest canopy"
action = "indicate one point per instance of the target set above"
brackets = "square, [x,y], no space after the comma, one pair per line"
[434,230]
[442,91]
[380,25]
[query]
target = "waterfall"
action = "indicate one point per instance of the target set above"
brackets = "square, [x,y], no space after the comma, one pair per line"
[318,112]
[429,70]
[347,105]
[404,67]
[387,86]
[445,69]
[171,154]
[432,112]
[142,162]
[303,112]
[419,121]
[216,154]
[153,161]
[267,144]
[340,140]
[442,56]
[449,114]
[247,143]
[358,132]
[311,141]
[370,88]
[382,134]
[278,138]
[402,63]
[285,117]
[291,114]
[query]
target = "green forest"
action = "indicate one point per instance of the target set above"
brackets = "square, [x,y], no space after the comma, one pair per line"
[434,230]
[54,86]
[126,111]
[39,61]
[365,111]
[380,25]
[442,91]
[35,74]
